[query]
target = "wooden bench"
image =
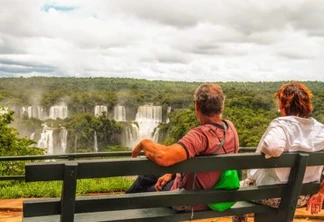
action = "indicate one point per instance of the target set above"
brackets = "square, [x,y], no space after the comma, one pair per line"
[154,206]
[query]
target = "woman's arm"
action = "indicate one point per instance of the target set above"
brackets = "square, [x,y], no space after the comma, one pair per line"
[273,142]
[315,203]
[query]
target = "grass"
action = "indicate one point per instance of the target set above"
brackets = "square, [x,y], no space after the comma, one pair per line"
[14,189]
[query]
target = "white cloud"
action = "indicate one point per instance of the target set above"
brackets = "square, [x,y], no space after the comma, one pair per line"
[227,40]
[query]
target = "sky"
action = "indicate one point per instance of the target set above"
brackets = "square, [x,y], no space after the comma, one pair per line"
[182,40]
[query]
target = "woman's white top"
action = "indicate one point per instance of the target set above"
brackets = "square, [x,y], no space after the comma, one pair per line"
[289,134]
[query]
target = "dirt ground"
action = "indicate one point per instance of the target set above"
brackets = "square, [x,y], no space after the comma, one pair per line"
[11,211]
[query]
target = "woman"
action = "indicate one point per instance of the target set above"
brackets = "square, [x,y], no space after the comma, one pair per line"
[293,131]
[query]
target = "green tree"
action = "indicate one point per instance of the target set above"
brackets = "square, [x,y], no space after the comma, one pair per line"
[180,123]
[82,129]
[12,145]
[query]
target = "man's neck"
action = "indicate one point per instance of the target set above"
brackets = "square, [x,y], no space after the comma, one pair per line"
[213,119]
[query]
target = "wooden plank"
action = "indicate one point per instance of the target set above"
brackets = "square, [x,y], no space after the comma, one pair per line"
[289,198]
[316,159]
[68,192]
[158,214]
[156,199]
[44,171]
[41,207]
[290,195]
[142,166]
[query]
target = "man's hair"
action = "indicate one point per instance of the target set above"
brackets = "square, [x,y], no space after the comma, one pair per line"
[295,99]
[210,99]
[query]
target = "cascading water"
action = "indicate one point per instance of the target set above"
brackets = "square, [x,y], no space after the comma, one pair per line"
[63,139]
[148,118]
[37,112]
[156,135]
[168,111]
[132,135]
[58,111]
[99,109]
[120,113]
[46,140]
[95,148]
[51,143]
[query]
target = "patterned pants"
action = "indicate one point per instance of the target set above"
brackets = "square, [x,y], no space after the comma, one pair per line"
[273,202]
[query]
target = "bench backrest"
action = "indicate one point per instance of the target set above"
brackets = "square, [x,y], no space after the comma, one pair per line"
[70,171]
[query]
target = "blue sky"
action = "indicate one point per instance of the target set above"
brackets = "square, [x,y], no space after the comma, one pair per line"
[62,8]
[183,40]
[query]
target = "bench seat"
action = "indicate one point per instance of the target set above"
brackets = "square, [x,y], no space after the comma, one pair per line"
[154,206]
[156,214]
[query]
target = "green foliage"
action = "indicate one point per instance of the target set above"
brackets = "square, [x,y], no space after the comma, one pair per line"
[180,123]
[116,148]
[29,125]
[83,127]
[12,145]
[53,189]
[250,123]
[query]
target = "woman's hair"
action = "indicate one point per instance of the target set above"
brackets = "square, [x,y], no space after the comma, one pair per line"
[295,99]
[210,99]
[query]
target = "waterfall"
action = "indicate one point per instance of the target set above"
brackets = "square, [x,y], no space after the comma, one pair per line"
[53,144]
[120,113]
[148,118]
[132,135]
[168,111]
[99,109]
[63,140]
[46,140]
[156,135]
[58,111]
[75,143]
[95,142]
[37,112]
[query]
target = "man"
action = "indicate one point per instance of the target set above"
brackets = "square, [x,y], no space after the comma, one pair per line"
[213,136]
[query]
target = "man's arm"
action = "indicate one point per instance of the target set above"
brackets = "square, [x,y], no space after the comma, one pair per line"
[161,154]
[315,203]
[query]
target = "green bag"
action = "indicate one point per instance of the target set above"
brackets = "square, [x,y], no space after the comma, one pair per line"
[228,180]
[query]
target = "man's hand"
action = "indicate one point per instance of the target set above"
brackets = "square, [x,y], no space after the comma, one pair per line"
[162,181]
[315,203]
